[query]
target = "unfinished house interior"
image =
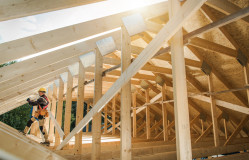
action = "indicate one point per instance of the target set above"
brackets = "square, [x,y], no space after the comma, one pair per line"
[165,80]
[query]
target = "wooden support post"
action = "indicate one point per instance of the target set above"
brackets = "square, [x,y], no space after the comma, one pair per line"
[49,95]
[113,115]
[80,107]
[202,126]
[147,97]
[96,121]
[213,111]
[245,71]
[53,109]
[105,123]
[164,114]
[87,110]
[59,111]
[183,138]
[125,98]
[68,108]
[134,104]
[225,128]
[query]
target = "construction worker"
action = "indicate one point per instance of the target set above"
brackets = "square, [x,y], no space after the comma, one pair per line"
[41,113]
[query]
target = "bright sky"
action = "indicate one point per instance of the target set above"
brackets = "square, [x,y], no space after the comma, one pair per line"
[27,26]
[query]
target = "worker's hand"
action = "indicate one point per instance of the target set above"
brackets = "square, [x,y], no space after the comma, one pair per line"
[28,99]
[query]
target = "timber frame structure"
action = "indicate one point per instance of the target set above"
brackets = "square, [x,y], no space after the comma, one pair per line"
[169,80]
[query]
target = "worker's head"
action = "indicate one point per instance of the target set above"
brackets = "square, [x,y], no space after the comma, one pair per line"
[41,91]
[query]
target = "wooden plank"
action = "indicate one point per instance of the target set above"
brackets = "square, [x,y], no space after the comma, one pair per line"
[105,119]
[53,109]
[224,104]
[44,41]
[213,111]
[134,120]
[225,7]
[49,95]
[113,115]
[80,107]
[87,110]
[59,111]
[164,35]
[96,121]
[125,135]
[17,146]
[68,107]
[148,116]
[165,114]
[181,111]
[225,128]
[208,45]
[21,8]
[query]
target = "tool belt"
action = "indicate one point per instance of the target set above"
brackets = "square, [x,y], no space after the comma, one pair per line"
[42,112]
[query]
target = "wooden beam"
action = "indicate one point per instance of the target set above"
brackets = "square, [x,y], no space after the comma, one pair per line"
[21,8]
[17,146]
[113,115]
[225,7]
[213,111]
[165,114]
[80,107]
[173,26]
[96,121]
[208,45]
[59,111]
[87,110]
[53,109]
[125,151]
[49,95]
[68,107]
[44,41]
[105,119]
[148,116]
[134,121]
[183,137]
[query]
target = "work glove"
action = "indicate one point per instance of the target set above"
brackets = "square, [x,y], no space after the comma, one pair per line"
[28,99]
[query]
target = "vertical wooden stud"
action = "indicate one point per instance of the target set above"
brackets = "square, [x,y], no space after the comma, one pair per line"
[96,122]
[134,104]
[68,108]
[213,112]
[147,97]
[59,110]
[181,110]
[125,99]
[80,107]
[53,109]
